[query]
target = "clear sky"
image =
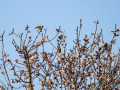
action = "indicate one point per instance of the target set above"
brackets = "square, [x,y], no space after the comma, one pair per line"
[54,13]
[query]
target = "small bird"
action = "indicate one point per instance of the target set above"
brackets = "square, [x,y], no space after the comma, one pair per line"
[105,47]
[83,47]
[58,49]
[39,27]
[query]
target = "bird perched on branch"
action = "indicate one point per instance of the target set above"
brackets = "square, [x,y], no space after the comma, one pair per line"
[58,49]
[105,47]
[39,27]
[83,47]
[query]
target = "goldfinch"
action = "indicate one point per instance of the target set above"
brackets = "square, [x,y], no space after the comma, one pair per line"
[105,47]
[83,47]
[39,27]
[58,49]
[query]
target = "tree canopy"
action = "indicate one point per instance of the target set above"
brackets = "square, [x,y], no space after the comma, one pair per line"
[89,66]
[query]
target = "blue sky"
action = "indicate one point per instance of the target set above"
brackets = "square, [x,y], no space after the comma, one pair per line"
[54,13]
